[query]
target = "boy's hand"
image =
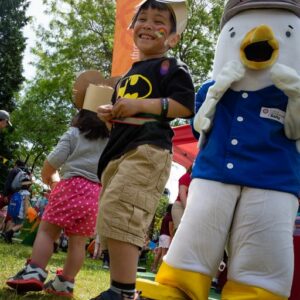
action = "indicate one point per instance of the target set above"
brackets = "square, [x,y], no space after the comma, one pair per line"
[125,108]
[104,112]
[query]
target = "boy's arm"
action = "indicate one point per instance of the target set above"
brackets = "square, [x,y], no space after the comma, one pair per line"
[129,107]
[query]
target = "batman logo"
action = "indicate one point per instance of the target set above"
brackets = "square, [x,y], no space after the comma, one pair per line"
[135,87]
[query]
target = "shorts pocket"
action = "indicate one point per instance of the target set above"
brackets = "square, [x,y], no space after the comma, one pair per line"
[140,207]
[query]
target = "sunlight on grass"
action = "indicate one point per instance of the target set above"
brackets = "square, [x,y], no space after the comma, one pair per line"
[90,281]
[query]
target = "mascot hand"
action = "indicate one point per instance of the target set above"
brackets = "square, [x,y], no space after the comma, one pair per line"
[231,72]
[288,80]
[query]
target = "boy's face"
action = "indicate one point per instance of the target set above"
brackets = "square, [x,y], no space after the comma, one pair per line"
[151,32]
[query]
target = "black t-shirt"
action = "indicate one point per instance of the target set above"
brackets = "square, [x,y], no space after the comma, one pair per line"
[154,78]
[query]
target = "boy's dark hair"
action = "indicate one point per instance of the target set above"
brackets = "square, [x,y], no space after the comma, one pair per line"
[87,122]
[159,6]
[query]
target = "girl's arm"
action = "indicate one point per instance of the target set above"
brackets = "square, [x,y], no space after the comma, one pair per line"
[49,174]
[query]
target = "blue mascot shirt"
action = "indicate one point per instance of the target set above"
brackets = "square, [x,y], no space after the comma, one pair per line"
[247,145]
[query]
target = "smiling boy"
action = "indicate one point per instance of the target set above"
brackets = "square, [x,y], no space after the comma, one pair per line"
[136,162]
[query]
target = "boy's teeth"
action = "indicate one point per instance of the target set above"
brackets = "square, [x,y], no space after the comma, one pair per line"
[147,37]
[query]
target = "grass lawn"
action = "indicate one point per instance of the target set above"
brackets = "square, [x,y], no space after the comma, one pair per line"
[91,280]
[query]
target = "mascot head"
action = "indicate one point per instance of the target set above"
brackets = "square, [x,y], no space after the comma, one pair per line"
[259,33]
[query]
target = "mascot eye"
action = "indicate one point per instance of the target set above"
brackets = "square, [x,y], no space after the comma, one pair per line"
[232,32]
[288,34]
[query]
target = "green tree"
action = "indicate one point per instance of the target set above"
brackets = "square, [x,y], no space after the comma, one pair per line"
[196,47]
[12,46]
[75,41]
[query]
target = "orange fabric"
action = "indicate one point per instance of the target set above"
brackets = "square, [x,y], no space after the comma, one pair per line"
[125,53]
[91,247]
[31,214]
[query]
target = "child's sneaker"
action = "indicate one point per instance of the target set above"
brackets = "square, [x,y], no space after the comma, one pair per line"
[60,286]
[30,278]
[8,235]
[111,295]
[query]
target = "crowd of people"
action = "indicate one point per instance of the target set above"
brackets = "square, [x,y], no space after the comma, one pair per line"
[109,169]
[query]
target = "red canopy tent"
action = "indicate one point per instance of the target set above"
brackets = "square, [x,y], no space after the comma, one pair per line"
[184,145]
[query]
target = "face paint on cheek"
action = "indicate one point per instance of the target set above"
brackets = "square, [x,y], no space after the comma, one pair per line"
[160,33]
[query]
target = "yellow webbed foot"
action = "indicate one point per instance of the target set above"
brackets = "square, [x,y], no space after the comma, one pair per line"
[171,283]
[238,291]
[156,291]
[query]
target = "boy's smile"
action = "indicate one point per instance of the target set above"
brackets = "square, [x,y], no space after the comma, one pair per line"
[151,31]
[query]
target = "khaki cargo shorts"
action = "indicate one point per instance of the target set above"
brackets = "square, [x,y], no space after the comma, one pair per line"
[132,188]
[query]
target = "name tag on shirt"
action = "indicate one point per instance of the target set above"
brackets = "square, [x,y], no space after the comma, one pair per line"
[273,114]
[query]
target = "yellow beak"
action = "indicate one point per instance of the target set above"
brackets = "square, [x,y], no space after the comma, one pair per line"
[259,49]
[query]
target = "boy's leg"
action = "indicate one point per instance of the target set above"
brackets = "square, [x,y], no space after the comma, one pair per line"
[123,261]
[132,187]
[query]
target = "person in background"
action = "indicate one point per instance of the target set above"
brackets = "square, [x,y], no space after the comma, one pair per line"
[165,238]
[17,222]
[72,206]
[97,248]
[7,190]
[136,163]
[41,203]
[180,203]
[4,119]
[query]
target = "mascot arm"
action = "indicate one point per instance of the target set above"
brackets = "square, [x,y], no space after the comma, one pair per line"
[288,80]
[231,72]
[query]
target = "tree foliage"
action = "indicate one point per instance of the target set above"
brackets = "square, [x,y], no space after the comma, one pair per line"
[12,46]
[196,48]
[80,37]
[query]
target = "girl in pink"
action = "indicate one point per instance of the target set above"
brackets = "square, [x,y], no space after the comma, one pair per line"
[72,207]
